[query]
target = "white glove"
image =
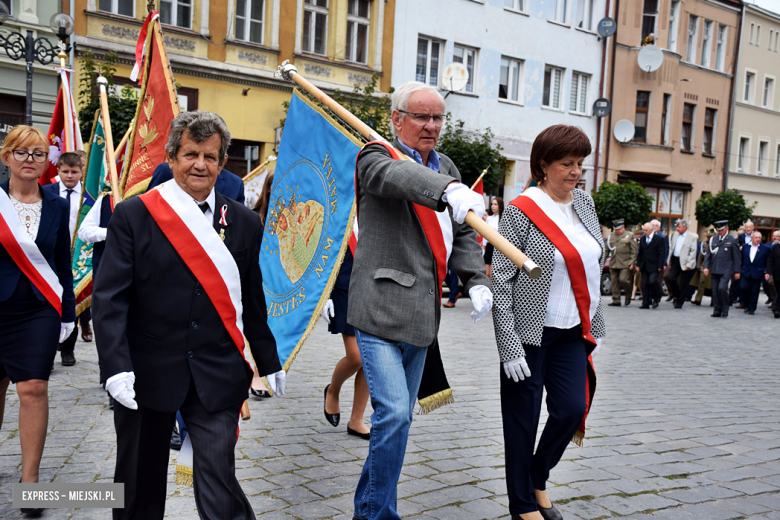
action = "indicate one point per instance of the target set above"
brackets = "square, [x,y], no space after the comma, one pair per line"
[517,369]
[276,382]
[66,329]
[596,350]
[328,311]
[482,300]
[120,386]
[462,199]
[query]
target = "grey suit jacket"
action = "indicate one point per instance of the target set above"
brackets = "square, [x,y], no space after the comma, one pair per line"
[688,252]
[393,292]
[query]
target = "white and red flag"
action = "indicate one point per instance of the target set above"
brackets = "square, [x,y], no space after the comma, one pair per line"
[64,134]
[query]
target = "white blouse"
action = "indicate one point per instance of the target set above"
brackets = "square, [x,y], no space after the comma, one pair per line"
[492,221]
[562,312]
[29,216]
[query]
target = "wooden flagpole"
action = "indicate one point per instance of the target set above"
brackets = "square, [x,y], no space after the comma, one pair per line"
[479,178]
[126,136]
[290,73]
[102,83]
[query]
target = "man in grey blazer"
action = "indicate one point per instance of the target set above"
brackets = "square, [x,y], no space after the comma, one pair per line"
[407,236]
[682,261]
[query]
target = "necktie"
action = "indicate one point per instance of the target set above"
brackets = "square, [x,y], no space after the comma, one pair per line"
[204,206]
[70,192]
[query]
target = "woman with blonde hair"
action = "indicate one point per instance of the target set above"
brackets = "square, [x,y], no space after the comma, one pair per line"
[37,306]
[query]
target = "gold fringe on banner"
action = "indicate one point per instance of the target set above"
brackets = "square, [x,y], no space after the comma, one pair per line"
[579,438]
[437,400]
[184,475]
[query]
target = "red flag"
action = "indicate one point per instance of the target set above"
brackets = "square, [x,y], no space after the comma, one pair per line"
[60,141]
[479,188]
[157,107]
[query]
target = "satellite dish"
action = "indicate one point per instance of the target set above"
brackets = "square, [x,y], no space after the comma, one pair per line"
[650,58]
[606,27]
[623,130]
[602,107]
[455,77]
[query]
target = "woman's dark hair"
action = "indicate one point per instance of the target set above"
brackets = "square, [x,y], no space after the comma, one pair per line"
[265,196]
[555,143]
[500,206]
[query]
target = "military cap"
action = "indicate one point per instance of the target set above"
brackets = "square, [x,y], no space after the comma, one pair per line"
[638,229]
[720,224]
[618,223]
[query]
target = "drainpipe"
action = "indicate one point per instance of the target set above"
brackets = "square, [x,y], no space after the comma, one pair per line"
[601,94]
[611,92]
[733,98]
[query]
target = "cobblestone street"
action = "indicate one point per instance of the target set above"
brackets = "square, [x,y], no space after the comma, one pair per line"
[685,425]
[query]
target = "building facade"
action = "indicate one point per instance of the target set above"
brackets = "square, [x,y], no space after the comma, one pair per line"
[224,53]
[680,112]
[531,63]
[754,159]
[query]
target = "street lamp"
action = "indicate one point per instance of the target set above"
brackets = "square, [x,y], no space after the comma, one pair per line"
[18,46]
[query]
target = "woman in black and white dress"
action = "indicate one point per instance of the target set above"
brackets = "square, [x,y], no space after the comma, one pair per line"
[548,328]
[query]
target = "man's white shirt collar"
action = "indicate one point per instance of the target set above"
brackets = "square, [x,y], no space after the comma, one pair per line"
[64,189]
[210,200]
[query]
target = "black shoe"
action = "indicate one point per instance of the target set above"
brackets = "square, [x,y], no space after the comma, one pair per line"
[67,359]
[769,301]
[751,312]
[716,315]
[746,311]
[550,513]
[332,418]
[628,302]
[678,306]
[365,436]
[777,315]
[613,304]
[724,315]
[670,298]
[32,512]
[655,305]
[110,402]
[175,440]
[644,306]
[260,394]
[694,302]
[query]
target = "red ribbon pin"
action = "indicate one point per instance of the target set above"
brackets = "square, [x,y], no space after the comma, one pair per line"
[222,221]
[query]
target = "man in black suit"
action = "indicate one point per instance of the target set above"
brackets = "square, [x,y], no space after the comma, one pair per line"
[773,270]
[171,310]
[650,260]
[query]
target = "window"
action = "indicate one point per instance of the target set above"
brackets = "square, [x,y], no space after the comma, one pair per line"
[358,12]
[749,80]
[515,5]
[752,31]
[249,20]
[769,92]
[509,86]
[585,14]
[640,117]
[176,12]
[674,18]
[123,7]
[758,34]
[777,37]
[315,26]
[579,93]
[706,44]
[763,148]
[428,52]
[551,96]
[650,13]
[742,157]
[710,116]
[561,7]
[720,49]
[468,57]
[666,109]
[771,33]
[686,140]
[777,161]
[693,36]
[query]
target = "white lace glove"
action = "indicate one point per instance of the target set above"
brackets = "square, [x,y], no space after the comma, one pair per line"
[120,386]
[462,199]
[276,382]
[482,300]
[66,329]
[596,350]
[517,369]
[328,311]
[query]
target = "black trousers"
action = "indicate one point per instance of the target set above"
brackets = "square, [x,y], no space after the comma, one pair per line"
[751,287]
[735,291]
[720,293]
[651,290]
[70,342]
[559,366]
[679,280]
[143,447]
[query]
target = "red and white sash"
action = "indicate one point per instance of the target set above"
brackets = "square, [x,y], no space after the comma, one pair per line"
[205,254]
[437,227]
[26,254]
[544,213]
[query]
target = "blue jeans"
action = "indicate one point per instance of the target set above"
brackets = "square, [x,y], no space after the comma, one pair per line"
[393,371]
[452,283]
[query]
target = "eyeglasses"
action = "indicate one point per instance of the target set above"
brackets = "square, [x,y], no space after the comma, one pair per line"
[37,156]
[422,119]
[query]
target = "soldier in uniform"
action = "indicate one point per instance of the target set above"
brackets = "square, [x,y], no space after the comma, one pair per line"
[701,282]
[637,276]
[722,261]
[622,251]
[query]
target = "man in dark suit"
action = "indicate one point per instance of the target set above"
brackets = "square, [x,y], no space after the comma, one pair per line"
[773,271]
[735,290]
[754,258]
[228,184]
[722,262]
[170,335]
[650,261]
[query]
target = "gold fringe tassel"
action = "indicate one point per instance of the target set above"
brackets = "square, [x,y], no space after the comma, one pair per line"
[184,475]
[579,438]
[437,400]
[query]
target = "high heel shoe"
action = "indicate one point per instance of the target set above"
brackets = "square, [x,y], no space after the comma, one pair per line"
[550,513]
[31,512]
[332,418]
[364,436]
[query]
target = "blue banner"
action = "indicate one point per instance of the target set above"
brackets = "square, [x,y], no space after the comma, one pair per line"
[308,224]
